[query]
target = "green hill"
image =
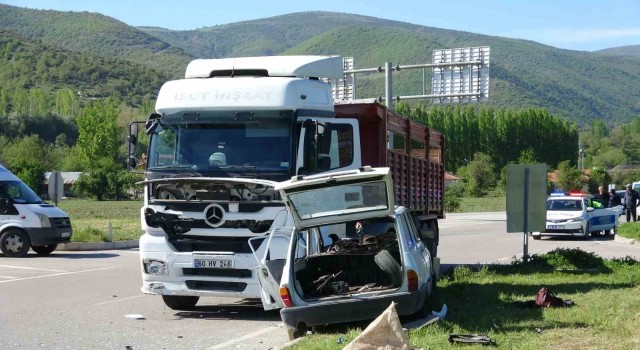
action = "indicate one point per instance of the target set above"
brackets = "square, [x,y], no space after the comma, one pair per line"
[631,50]
[578,85]
[581,86]
[26,65]
[94,33]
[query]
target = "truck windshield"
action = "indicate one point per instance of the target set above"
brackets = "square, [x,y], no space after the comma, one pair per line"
[218,141]
[20,193]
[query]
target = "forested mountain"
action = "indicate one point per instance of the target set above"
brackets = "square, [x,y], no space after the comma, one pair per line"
[93,33]
[32,68]
[581,86]
[631,50]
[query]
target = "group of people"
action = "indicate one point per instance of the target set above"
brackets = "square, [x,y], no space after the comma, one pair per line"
[629,200]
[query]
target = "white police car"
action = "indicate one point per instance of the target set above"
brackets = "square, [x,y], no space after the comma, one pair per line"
[575,215]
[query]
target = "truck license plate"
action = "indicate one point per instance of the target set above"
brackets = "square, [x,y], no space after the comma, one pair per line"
[556,227]
[213,263]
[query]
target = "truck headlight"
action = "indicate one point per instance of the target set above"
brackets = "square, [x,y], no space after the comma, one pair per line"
[44,220]
[155,267]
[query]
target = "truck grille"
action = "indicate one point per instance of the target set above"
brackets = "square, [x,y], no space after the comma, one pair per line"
[238,273]
[238,245]
[217,286]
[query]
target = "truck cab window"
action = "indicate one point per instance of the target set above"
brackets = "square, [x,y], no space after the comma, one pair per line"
[328,146]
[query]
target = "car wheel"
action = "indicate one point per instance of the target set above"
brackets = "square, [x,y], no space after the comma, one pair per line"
[14,243]
[389,266]
[536,236]
[587,233]
[44,249]
[180,302]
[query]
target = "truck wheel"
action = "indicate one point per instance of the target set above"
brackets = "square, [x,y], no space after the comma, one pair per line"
[44,249]
[389,266]
[432,243]
[180,302]
[14,243]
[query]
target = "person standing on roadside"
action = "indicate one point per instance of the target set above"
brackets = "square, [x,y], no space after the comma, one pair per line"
[630,201]
[602,197]
[614,199]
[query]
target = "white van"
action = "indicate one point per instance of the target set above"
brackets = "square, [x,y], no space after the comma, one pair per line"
[26,221]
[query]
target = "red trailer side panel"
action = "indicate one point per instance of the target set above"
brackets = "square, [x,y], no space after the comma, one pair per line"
[416,157]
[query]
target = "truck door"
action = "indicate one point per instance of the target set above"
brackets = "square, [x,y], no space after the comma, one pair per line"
[328,145]
[271,256]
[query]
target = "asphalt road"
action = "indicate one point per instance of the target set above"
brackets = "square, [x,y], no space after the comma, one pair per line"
[80,300]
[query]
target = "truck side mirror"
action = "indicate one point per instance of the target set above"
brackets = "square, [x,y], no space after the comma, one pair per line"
[133,139]
[133,162]
[427,233]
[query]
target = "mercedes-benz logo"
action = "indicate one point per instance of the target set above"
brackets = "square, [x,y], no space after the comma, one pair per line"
[214,215]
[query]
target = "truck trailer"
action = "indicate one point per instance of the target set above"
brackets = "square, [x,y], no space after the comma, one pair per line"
[223,137]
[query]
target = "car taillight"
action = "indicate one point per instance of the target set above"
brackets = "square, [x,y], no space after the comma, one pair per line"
[286,298]
[412,281]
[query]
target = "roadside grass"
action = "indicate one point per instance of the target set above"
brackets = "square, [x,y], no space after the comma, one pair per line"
[90,219]
[482,204]
[630,230]
[491,300]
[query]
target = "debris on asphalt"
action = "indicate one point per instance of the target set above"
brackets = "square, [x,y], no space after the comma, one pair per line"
[135,317]
[385,332]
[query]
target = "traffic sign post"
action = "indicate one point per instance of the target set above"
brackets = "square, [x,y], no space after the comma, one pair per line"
[56,187]
[526,200]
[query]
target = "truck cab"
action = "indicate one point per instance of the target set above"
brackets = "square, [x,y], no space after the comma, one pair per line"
[219,141]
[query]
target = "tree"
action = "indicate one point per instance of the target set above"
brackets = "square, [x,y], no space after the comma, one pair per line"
[99,135]
[569,177]
[27,159]
[479,175]
[98,146]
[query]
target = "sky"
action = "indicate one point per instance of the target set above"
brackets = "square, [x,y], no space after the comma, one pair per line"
[585,25]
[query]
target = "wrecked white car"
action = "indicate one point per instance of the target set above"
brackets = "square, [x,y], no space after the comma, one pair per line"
[350,254]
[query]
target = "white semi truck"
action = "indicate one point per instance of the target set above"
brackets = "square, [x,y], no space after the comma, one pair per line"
[225,135]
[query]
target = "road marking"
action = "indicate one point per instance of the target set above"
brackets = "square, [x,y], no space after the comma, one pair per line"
[31,268]
[58,274]
[227,344]
[9,277]
[119,299]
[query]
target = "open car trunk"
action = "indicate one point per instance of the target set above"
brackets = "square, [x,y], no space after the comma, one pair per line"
[350,266]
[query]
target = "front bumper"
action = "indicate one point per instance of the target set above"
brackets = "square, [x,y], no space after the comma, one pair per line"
[351,309]
[183,279]
[48,235]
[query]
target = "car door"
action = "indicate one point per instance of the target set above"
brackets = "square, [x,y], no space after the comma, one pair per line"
[601,218]
[271,257]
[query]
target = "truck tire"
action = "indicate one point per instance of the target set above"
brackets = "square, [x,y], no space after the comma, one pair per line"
[180,302]
[432,243]
[44,249]
[14,243]
[389,266]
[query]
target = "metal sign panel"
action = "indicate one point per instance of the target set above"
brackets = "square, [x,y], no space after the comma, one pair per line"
[526,197]
[56,186]
[345,88]
[461,75]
